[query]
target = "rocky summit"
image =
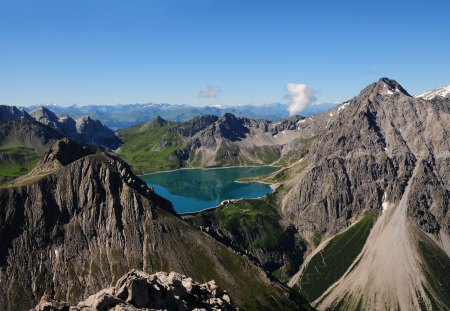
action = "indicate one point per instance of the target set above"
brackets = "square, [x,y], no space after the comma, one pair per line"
[138,290]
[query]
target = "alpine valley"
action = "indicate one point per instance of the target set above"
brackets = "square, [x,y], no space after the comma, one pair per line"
[358,218]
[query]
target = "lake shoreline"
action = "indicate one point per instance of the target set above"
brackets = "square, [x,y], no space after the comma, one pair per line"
[196,190]
[206,168]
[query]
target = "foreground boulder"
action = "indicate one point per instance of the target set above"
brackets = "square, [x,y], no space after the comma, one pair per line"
[138,290]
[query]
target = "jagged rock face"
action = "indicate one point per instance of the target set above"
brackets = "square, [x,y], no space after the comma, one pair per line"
[93,131]
[192,127]
[84,129]
[62,153]
[11,113]
[231,140]
[366,156]
[63,123]
[137,290]
[80,227]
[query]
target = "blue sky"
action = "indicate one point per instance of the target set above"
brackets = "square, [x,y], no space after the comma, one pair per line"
[108,52]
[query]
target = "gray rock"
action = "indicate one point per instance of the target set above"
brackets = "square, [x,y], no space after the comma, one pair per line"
[101,301]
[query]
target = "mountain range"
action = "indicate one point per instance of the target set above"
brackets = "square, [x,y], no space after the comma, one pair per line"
[211,141]
[125,115]
[358,220]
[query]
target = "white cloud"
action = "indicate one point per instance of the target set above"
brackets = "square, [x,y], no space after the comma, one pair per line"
[211,91]
[300,96]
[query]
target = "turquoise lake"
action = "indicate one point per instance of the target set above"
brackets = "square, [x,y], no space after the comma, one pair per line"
[193,190]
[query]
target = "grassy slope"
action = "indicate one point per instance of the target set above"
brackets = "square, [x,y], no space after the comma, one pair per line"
[436,265]
[250,215]
[242,280]
[327,266]
[150,147]
[22,160]
[254,224]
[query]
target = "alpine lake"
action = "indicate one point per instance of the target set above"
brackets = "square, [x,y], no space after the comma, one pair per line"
[193,190]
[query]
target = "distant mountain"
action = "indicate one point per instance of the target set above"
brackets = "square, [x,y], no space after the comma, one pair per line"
[442,92]
[123,116]
[85,129]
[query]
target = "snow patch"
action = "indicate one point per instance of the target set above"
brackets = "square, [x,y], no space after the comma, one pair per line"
[343,107]
[385,203]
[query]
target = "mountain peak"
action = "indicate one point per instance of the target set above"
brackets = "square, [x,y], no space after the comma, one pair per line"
[44,115]
[158,121]
[386,86]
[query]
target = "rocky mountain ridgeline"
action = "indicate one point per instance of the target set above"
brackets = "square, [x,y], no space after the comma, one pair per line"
[137,290]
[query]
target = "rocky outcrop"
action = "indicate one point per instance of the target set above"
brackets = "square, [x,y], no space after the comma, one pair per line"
[79,227]
[138,290]
[195,125]
[84,129]
[63,123]
[366,156]
[94,132]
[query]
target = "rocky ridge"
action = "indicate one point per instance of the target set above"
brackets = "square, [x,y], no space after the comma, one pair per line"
[138,290]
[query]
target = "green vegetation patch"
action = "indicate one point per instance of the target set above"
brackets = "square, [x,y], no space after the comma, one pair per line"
[150,147]
[297,153]
[437,271]
[253,221]
[328,265]
[16,162]
[316,238]
[267,154]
